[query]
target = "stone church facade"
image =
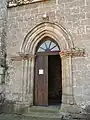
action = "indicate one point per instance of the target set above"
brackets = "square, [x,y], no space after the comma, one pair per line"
[23,25]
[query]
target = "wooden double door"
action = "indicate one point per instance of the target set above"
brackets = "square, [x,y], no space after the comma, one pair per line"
[47,83]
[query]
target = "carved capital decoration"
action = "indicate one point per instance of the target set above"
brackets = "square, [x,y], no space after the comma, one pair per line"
[74,52]
[12,3]
[22,56]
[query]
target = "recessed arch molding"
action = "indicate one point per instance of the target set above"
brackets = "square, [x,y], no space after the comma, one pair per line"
[53,30]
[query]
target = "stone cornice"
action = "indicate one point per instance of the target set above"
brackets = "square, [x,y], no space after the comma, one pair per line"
[13,3]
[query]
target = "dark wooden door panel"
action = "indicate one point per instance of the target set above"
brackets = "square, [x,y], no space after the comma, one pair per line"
[41,81]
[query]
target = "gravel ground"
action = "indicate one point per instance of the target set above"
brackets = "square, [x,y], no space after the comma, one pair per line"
[11,117]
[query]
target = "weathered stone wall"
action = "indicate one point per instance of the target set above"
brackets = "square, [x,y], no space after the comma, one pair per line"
[74,16]
[3,28]
[81,83]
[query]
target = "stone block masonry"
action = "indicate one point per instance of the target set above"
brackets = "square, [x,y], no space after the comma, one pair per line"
[73,15]
[17,22]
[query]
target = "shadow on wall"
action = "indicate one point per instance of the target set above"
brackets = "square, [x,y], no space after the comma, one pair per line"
[87,109]
[2,100]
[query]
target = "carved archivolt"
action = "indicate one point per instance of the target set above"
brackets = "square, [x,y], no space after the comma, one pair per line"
[52,30]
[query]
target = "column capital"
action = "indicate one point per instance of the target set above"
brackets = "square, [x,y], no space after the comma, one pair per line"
[74,52]
[22,56]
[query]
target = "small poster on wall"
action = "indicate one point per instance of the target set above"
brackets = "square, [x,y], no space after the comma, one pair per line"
[41,71]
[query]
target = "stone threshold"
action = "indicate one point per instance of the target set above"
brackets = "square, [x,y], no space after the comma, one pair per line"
[47,109]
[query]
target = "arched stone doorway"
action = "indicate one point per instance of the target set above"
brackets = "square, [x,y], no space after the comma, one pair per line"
[63,49]
[48,74]
[28,48]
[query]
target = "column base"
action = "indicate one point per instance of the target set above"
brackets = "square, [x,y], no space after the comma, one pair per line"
[74,109]
[13,107]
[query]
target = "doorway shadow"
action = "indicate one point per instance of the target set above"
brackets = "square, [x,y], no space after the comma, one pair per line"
[54,80]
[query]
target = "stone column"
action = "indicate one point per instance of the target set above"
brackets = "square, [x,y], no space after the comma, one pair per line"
[67,83]
[28,76]
[68,103]
[27,63]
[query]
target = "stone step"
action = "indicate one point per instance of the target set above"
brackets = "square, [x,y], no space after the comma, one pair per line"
[43,113]
[40,116]
[33,116]
[50,109]
[27,117]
